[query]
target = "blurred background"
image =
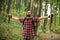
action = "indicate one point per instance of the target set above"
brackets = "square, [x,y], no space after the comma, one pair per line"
[47,29]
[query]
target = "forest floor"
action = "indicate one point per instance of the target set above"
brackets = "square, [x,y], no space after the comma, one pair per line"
[49,37]
[14,34]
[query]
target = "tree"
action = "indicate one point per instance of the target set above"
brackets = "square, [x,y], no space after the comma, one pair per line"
[37,5]
[35,8]
[58,4]
[2,9]
[45,14]
[8,8]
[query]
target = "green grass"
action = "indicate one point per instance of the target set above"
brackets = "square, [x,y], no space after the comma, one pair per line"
[12,30]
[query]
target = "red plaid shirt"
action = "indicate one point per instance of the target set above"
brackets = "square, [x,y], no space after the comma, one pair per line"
[28,27]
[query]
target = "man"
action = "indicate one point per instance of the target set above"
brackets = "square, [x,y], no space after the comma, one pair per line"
[29,32]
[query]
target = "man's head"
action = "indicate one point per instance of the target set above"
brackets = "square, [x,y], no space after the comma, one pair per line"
[28,13]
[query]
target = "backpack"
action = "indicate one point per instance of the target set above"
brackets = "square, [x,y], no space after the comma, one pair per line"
[33,23]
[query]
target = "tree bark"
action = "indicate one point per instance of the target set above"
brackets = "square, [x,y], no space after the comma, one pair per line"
[1,4]
[45,20]
[8,9]
[35,8]
[27,4]
[37,11]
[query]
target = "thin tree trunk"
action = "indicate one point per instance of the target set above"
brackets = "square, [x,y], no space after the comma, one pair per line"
[2,9]
[40,6]
[51,19]
[18,5]
[27,4]
[1,4]
[59,16]
[45,20]
[35,8]
[38,14]
[8,9]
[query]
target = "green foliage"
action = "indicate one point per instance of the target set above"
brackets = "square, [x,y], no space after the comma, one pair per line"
[19,12]
[14,29]
[3,17]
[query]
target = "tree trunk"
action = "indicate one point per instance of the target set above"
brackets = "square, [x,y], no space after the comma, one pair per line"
[35,8]
[18,5]
[45,20]
[8,9]
[59,16]
[2,9]
[40,6]
[27,4]
[1,4]
[51,20]
[37,11]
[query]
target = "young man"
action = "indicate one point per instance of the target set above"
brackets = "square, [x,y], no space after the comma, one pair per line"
[29,32]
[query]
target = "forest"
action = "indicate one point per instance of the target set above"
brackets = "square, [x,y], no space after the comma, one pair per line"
[11,29]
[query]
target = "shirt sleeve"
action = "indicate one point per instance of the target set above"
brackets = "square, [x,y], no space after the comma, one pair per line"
[35,19]
[21,19]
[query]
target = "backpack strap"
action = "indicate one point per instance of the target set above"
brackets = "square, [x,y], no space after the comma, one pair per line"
[24,20]
[33,23]
[31,19]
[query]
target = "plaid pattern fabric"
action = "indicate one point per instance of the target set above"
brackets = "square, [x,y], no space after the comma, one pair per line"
[28,27]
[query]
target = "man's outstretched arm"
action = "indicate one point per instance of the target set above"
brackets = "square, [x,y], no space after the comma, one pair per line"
[16,18]
[40,18]
[13,17]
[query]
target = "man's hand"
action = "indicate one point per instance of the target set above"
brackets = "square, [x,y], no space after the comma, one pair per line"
[50,16]
[9,15]
[13,17]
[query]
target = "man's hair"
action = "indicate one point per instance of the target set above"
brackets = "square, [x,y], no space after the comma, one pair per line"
[28,13]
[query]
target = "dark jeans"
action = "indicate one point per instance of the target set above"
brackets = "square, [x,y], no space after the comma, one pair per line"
[26,39]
